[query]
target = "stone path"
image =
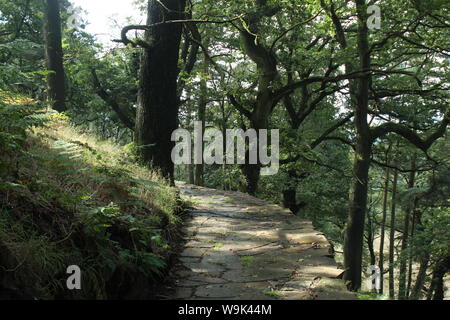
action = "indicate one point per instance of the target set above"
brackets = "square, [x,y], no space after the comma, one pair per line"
[240,247]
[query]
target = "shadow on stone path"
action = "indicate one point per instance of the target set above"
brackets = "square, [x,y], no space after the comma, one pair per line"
[240,247]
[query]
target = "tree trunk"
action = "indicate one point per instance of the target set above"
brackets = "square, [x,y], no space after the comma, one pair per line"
[259,121]
[383,229]
[158,102]
[191,174]
[223,128]
[200,168]
[290,198]
[189,125]
[392,237]
[439,272]
[252,175]
[354,238]
[403,261]
[370,239]
[290,192]
[54,56]
[267,71]
[420,281]
[410,255]
[353,244]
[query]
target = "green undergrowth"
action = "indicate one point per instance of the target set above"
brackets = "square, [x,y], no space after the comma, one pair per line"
[68,199]
[371,296]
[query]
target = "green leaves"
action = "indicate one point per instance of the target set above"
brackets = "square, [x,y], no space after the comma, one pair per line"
[148,184]
[98,219]
[68,149]
[430,5]
[16,118]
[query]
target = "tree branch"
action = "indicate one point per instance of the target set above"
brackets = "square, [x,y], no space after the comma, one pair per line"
[128,122]
[330,130]
[239,106]
[280,93]
[410,135]
[322,138]
[124,39]
[292,28]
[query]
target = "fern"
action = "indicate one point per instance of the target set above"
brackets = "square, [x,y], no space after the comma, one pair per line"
[68,149]
[17,116]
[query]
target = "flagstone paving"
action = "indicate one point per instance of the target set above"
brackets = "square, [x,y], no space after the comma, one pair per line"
[241,247]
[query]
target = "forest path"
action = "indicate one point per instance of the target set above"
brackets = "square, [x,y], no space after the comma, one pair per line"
[241,247]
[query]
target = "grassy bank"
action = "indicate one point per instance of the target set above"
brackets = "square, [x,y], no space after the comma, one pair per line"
[68,199]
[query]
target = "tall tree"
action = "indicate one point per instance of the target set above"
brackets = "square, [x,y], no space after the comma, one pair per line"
[269,90]
[54,55]
[402,288]
[202,104]
[436,291]
[362,91]
[383,220]
[158,97]
[392,236]
[266,64]
[358,192]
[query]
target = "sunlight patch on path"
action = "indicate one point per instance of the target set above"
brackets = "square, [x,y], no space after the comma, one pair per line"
[240,247]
